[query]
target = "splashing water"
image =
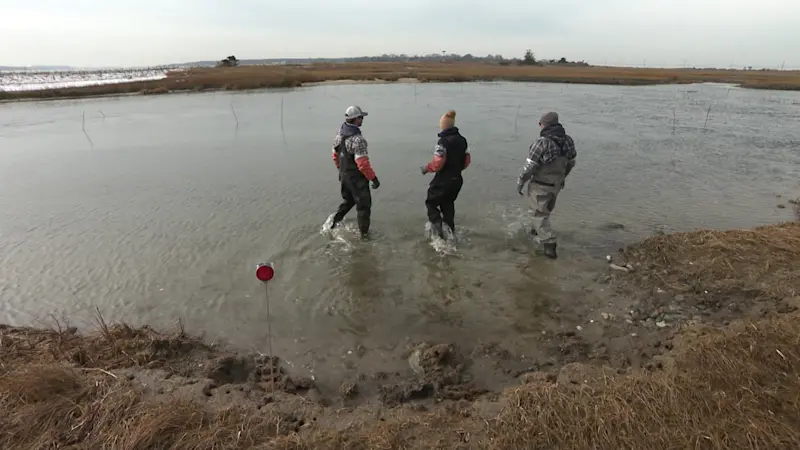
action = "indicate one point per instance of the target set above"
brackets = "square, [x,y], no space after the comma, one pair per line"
[342,234]
[446,246]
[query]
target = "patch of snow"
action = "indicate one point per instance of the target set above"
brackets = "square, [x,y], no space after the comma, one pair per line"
[18,81]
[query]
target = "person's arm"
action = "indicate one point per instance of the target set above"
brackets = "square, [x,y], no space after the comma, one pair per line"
[439,158]
[533,161]
[336,141]
[359,146]
[467,156]
[571,154]
[570,166]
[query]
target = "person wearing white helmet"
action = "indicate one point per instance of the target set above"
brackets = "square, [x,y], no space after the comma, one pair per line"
[355,171]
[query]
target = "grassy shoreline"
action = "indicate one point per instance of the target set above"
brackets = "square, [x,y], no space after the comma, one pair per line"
[291,76]
[716,385]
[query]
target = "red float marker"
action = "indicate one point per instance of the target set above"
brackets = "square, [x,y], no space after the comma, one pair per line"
[265,272]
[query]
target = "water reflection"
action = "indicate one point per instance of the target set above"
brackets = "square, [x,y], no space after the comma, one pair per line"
[441,299]
[362,279]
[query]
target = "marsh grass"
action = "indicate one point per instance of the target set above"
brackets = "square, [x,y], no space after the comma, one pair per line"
[288,76]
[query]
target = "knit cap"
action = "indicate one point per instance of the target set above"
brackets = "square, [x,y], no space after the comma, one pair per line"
[550,118]
[448,120]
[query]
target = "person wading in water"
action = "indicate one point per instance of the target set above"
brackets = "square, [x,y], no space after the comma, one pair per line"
[450,157]
[550,160]
[355,171]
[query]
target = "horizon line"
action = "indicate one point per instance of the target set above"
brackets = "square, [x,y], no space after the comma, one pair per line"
[401,56]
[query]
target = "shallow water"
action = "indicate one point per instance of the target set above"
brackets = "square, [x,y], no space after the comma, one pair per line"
[162,209]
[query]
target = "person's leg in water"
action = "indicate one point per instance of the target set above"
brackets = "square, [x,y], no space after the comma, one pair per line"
[543,201]
[363,200]
[433,204]
[348,201]
[451,190]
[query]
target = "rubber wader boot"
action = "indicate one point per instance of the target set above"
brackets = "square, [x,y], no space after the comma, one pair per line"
[550,251]
[439,230]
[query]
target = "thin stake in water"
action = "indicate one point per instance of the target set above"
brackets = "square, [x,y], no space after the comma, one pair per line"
[234,116]
[269,341]
[283,133]
[707,114]
[265,272]
[674,120]
[83,127]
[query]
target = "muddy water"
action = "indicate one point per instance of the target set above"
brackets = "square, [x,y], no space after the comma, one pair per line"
[162,208]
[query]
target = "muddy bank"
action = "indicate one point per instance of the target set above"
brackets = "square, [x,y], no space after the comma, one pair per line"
[714,275]
[699,350]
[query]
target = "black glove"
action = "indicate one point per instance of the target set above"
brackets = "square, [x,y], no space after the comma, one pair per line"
[375,183]
[520,185]
[423,169]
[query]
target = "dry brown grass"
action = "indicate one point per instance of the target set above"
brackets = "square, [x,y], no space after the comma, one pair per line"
[53,406]
[436,430]
[282,76]
[111,347]
[759,263]
[729,389]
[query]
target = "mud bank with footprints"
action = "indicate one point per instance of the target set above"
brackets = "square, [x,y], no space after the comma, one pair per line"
[699,349]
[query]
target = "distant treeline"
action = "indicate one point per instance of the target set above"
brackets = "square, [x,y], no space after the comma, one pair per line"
[391,57]
[497,59]
[527,59]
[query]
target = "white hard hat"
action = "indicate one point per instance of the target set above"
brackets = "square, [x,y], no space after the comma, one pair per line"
[354,111]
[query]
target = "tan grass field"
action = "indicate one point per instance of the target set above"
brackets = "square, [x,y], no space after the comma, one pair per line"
[284,76]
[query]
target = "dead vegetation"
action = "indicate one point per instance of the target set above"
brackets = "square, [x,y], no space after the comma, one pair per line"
[111,347]
[287,76]
[733,387]
[725,389]
[54,406]
[754,264]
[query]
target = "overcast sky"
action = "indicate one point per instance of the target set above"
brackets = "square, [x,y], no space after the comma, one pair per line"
[630,32]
